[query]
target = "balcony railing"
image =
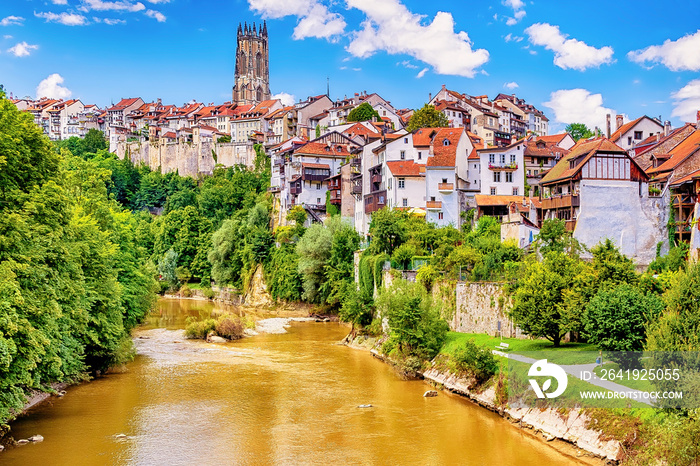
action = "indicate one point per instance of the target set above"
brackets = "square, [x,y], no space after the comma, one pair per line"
[376,179]
[559,202]
[433,205]
[446,187]
[315,176]
[503,166]
[357,189]
[295,189]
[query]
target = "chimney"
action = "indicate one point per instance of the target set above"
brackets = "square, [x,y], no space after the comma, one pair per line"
[513,139]
[618,122]
[667,128]
[430,96]
[607,122]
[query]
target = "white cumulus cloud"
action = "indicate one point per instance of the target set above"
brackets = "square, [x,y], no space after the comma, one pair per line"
[59,2]
[157,15]
[314,18]
[121,5]
[518,11]
[512,38]
[686,101]
[579,106]
[12,21]
[22,49]
[680,55]
[392,28]
[568,53]
[421,73]
[511,85]
[68,19]
[51,87]
[286,99]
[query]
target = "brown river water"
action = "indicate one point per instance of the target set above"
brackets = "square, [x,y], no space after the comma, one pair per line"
[287,398]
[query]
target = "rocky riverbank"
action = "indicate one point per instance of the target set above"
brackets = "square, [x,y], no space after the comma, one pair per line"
[549,424]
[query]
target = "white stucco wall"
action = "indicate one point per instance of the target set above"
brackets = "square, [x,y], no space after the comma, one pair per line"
[614,209]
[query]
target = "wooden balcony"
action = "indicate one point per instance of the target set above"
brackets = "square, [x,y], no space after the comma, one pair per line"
[570,225]
[433,205]
[559,202]
[375,201]
[315,176]
[357,189]
[295,189]
[336,197]
[446,188]
[376,179]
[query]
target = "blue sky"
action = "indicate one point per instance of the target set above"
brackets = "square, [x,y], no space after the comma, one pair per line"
[575,64]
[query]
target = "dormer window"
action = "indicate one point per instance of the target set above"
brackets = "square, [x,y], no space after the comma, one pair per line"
[446,142]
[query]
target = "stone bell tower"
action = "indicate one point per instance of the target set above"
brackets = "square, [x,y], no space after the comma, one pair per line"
[252,75]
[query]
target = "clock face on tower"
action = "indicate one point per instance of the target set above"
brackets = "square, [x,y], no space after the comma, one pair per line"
[252,75]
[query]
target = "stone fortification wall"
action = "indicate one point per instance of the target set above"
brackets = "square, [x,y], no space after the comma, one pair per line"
[480,307]
[614,209]
[187,159]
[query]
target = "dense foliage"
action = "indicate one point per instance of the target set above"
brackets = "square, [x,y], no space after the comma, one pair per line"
[74,273]
[427,117]
[363,112]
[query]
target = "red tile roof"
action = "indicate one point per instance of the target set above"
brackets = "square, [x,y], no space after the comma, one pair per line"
[552,138]
[543,149]
[679,154]
[124,103]
[406,168]
[445,147]
[358,129]
[423,136]
[320,148]
[169,135]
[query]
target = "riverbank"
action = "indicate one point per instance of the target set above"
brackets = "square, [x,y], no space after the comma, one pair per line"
[569,429]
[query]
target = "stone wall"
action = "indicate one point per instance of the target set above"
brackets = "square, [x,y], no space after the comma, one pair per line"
[480,307]
[614,209]
[188,159]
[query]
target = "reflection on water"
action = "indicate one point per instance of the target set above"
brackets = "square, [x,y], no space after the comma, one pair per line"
[283,399]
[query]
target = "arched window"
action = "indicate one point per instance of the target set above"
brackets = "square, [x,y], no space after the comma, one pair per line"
[258,64]
[259,94]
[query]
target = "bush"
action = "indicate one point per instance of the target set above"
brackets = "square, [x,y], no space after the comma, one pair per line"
[415,326]
[186,291]
[199,329]
[476,360]
[228,326]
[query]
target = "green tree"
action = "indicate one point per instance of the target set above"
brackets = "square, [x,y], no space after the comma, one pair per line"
[539,307]
[578,131]
[363,112]
[167,268]
[387,230]
[427,117]
[94,141]
[616,320]
[314,251]
[225,261]
[415,326]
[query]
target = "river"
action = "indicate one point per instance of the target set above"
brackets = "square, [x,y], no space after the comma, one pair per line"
[287,398]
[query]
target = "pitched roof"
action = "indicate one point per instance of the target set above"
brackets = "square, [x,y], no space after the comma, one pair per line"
[680,153]
[124,103]
[614,137]
[535,148]
[423,136]
[406,168]
[321,148]
[499,200]
[586,150]
[358,129]
[445,147]
[553,138]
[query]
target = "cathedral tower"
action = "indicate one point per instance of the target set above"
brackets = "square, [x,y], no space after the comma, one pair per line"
[252,75]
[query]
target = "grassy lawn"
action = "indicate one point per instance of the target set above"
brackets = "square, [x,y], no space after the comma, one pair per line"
[517,345]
